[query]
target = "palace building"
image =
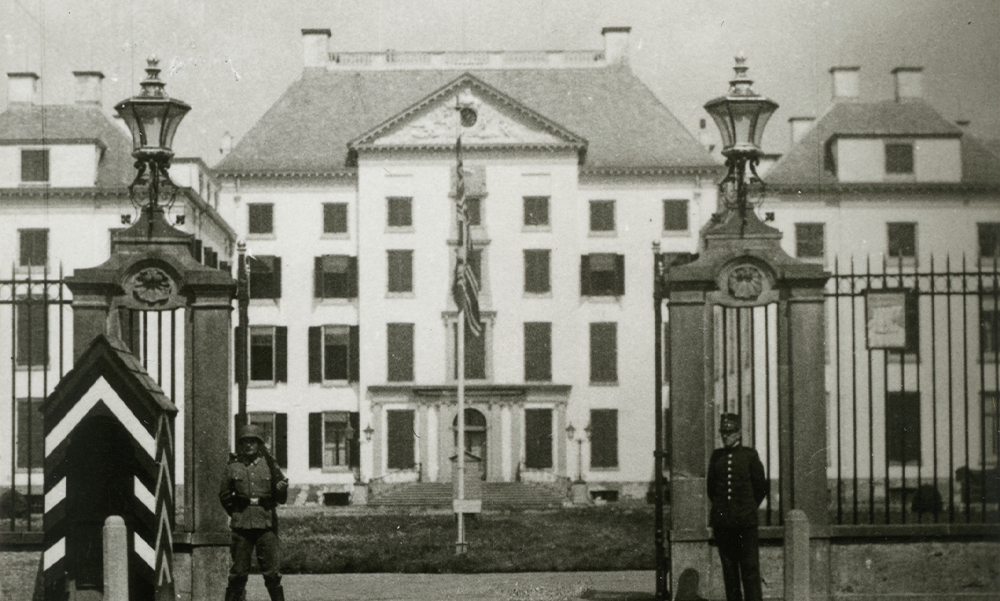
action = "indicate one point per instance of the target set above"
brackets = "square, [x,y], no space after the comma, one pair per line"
[345,191]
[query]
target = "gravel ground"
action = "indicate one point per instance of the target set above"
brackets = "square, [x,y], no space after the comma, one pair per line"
[533,586]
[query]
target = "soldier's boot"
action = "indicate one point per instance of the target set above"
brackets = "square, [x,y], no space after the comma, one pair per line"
[274,588]
[236,589]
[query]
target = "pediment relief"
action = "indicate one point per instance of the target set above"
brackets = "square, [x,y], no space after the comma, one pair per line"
[483,116]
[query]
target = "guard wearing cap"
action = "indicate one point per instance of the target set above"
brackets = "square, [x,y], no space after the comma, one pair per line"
[252,488]
[736,486]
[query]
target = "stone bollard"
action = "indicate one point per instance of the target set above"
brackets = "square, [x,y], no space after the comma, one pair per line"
[796,556]
[115,559]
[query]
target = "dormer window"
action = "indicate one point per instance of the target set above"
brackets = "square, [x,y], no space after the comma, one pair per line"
[35,166]
[899,159]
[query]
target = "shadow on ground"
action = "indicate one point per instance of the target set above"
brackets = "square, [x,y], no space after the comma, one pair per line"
[594,595]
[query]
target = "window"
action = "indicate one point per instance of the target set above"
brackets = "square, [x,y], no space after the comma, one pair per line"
[400,211]
[809,240]
[603,438]
[536,211]
[473,208]
[268,354]
[902,240]
[603,352]
[989,240]
[989,326]
[35,166]
[335,218]
[902,429]
[475,353]
[899,158]
[399,344]
[991,428]
[476,264]
[275,426]
[400,435]
[400,270]
[675,215]
[265,277]
[335,276]
[31,315]
[261,218]
[536,272]
[602,215]
[34,247]
[333,440]
[334,354]
[537,351]
[538,438]
[30,435]
[602,274]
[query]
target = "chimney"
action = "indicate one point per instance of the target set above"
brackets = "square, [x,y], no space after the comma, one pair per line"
[227,144]
[616,45]
[909,83]
[88,87]
[315,44]
[846,84]
[800,126]
[22,88]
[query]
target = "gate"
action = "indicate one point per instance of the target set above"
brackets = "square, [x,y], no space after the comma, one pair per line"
[746,382]
[912,372]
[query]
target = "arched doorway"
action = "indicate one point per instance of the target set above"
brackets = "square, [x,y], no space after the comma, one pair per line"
[475,435]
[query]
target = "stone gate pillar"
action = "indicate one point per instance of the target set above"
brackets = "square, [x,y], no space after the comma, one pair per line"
[743,265]
[152,269]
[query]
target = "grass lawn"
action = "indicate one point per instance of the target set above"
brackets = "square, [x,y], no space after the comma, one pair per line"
[616,536]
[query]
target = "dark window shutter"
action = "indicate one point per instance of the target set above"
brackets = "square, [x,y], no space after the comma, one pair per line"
[619,275]
[239,352]
[281,439]
[281,354]
[277,277]
[584,275]
[315,354]
[538,351]
[352,277]
[317,277]
[399,345]
[604,438]
[315,440]
[354,419]
[354,354]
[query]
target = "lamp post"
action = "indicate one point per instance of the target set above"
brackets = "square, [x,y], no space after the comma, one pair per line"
[741,116]
[152,118]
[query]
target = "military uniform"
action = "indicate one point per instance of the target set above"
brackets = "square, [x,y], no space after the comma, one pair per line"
[250,493]
[736,486]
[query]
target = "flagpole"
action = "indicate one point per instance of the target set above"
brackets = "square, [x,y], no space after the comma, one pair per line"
[460,543]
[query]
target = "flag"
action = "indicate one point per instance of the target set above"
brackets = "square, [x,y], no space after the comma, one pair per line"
[466,286]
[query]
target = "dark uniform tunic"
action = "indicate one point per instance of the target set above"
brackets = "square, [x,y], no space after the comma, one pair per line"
[249,495]
[736,486]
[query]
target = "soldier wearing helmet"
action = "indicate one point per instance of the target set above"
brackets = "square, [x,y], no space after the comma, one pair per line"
[736,486]
[252,488]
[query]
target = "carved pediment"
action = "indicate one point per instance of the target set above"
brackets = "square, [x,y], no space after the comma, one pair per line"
[483,116]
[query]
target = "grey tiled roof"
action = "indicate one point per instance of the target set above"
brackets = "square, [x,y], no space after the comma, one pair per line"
[74,122]
[308,129]
[803,164]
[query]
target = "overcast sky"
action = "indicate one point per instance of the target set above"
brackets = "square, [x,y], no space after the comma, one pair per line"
[232,59]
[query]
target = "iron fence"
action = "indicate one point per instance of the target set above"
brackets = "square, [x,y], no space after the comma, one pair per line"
[36,314]
[912,372]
